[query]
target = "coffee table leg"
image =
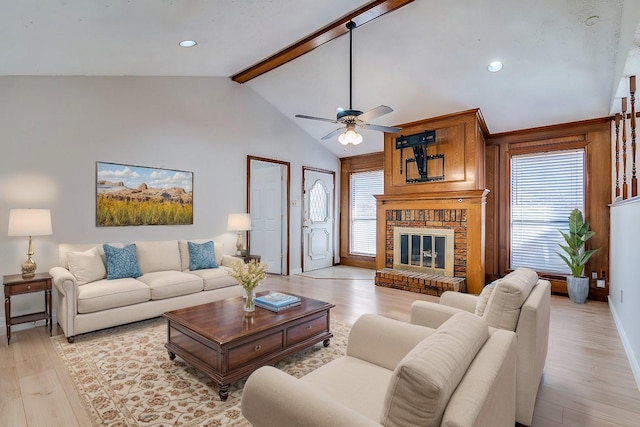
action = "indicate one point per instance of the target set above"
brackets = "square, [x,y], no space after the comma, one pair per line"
[326,343]
[172,355]
[224,392]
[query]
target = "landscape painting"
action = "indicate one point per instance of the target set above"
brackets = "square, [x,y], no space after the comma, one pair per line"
[139,195]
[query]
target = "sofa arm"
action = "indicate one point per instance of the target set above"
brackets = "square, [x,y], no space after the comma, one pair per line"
[431,314]
[228,260]
[466,302]
[370,330]
[67,286]
[267,401]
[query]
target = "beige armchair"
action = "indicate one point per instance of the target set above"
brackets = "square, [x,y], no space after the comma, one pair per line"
[518,302]
[397,374]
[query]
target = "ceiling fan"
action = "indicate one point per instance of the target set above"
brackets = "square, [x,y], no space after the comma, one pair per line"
[351,118]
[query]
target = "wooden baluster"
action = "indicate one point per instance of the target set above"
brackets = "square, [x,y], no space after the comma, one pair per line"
[617,119]
[624,148]
[634,180]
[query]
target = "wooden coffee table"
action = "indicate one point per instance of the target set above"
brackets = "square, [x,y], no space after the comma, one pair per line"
[227,344]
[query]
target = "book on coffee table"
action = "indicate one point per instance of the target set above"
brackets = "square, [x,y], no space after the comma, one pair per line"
[276,300]
[277,309]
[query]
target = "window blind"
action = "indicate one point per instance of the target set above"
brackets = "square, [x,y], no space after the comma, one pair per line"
[364,185]
[545,188]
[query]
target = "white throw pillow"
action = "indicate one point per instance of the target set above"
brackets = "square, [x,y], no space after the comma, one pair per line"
[86,266]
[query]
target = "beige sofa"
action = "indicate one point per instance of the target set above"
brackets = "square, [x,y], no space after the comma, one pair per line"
[397,374]
[519,302]
[87,301]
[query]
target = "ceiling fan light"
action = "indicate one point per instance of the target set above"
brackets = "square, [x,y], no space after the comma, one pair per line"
[350,136]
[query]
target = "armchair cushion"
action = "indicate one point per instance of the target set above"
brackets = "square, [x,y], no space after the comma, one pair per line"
[483,298]
[508,295]
[425,379]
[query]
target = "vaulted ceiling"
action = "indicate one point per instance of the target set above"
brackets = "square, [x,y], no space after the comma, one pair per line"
[563,60]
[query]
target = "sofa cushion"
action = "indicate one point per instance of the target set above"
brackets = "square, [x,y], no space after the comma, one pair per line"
[86,266]
[503,307]
[218,251]
[105,294]
[425,379]
[158,255]
[201,256]
[121,262]
[169,284]
[215,278]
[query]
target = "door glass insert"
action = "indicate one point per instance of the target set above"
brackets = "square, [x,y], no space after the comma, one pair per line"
[318,202]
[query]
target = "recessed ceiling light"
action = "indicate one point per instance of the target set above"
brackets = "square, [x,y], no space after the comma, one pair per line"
[188,43]
[494,66]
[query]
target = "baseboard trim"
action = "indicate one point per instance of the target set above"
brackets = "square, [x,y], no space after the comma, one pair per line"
[633,360]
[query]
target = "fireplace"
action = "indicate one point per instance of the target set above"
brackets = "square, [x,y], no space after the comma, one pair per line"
[431,242]
[427,250]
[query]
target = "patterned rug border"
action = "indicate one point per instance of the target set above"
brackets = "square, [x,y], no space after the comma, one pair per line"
[124,377]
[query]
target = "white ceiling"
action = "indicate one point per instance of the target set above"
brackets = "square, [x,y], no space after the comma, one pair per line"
[426,59]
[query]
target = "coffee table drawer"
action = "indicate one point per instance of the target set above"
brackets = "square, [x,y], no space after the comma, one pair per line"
[307,329]
[245,353]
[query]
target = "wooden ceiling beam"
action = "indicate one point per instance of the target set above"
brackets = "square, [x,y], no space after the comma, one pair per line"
[361,16]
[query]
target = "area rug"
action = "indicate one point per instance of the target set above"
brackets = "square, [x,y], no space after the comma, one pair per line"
[125,377]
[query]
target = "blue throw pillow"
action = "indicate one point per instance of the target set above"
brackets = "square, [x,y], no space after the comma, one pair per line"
[201,256]
[121,262]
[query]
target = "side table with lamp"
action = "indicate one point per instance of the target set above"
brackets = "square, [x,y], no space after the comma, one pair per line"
[28,222]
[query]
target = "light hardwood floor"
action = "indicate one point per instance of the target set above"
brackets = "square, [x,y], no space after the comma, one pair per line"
[587,379]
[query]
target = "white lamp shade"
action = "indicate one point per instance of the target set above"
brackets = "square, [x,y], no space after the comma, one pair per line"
[239,222]
[30,222]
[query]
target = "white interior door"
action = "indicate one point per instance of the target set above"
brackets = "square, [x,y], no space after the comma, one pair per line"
[317,220]
[268,214]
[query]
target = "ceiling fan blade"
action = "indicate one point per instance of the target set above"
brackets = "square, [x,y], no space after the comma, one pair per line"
[332,134]
[302,116]
[380,110]
[388,129]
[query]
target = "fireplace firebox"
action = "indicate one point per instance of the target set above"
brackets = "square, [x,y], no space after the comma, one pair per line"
[427,250]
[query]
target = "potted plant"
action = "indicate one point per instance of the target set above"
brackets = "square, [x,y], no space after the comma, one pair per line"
[576,256]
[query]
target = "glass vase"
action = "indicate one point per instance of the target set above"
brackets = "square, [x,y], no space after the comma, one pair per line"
[249,305]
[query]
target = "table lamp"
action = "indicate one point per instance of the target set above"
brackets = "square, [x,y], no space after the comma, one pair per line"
[29,222]
[239,222]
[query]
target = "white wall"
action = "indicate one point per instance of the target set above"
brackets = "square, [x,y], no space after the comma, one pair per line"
[624,286]
[54,129]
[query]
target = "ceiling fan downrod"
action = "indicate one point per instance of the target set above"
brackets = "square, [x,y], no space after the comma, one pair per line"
[351,25]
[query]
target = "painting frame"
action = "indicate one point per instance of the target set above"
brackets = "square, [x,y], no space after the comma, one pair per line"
[133,195]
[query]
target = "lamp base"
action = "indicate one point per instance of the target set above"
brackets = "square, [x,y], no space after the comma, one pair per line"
[29,268]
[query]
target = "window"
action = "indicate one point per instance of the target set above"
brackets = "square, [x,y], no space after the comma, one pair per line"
[364,185]
[545,188]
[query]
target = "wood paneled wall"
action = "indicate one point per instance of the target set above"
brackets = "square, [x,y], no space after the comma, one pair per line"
[595,137]
[349,165]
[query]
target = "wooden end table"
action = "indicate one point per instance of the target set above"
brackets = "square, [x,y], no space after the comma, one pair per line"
[227,344]
[15,284]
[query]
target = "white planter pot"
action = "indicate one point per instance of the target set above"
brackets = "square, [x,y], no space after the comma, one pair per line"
[578,288]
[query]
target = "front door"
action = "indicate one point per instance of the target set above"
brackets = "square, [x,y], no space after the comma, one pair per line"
[317,219]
